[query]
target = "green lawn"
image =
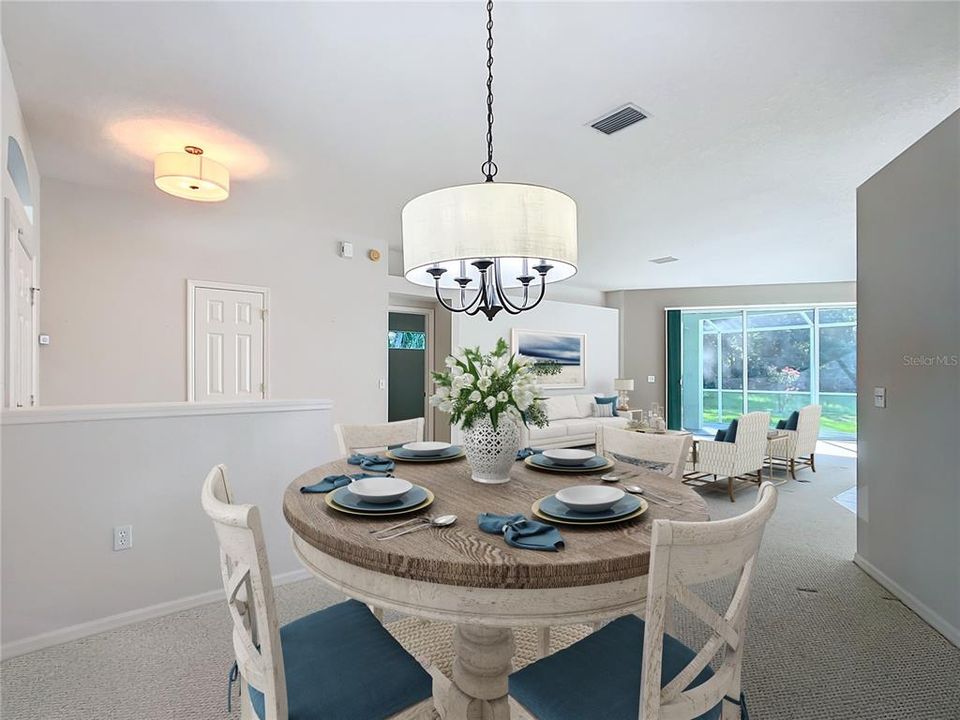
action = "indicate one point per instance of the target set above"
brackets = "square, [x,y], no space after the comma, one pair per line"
[838,420]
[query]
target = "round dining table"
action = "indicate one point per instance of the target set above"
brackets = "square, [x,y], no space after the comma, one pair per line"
[462,575]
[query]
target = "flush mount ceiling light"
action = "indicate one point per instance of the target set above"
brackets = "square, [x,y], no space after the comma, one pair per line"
[191,176]
[487,238]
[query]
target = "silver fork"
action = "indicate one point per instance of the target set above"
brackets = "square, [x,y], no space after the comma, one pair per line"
[422,518]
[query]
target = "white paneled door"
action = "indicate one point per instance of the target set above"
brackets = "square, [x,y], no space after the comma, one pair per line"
[22,349]
[229,344]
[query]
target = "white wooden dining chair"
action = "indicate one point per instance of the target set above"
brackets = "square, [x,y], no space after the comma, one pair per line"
[800,446]
[375,438]
[664,454]
[606,674]
[320,666]
[733,460]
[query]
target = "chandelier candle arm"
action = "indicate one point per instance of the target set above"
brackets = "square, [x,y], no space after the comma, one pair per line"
[488,238]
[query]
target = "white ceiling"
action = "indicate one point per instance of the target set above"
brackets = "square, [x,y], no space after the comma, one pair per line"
[764,116]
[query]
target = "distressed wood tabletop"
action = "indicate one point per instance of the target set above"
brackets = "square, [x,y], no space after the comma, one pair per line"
[463,555]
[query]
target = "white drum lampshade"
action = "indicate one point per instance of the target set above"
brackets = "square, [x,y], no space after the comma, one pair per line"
[519,225]
[623,386]
[191,176]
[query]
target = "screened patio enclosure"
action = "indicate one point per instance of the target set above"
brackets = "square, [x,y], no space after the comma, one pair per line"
[727,362]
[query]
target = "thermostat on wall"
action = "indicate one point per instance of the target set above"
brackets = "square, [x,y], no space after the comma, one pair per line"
[346,250]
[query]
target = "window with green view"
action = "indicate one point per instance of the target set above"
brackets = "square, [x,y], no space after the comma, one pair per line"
[406,340]
[769,359]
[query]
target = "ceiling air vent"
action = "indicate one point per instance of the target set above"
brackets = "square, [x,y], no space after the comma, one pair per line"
[618,119]
[664,260]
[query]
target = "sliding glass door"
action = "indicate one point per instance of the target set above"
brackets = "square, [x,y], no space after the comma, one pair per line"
[771,359]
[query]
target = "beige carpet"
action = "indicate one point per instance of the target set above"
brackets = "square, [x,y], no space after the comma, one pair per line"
[825,641]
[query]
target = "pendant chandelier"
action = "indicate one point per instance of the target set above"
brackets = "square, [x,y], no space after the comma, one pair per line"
[483,239]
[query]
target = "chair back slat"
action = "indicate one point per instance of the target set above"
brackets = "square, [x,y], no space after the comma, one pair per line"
[808,430]
[685,554]
[377,438]
[670,451]
[249,591]
[751,441]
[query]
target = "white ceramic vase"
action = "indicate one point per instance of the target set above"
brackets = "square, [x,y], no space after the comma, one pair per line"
[491,452]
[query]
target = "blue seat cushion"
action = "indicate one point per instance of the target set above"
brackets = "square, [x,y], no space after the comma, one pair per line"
[342,664]
[599,676]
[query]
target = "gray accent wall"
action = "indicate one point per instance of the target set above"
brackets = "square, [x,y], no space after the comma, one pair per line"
[908,293]
[643,328]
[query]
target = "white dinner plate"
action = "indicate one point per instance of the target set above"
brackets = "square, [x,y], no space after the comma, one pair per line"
[590,498]
[568,456]
[379,489]
[426,448]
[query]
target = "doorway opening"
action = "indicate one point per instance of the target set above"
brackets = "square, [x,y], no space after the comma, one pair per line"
[409,363]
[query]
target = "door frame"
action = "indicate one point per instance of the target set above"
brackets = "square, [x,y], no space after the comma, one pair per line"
[428,366]
[16,218]
[192,287]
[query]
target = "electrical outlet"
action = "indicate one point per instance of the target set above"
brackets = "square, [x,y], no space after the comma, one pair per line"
[122,537]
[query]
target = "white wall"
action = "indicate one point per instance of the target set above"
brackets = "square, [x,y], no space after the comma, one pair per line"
[114,296]
[12,125]
[600,324]
[908,295]
[71,475]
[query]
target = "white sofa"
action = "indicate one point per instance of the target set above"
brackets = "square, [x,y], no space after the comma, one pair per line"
[571,423]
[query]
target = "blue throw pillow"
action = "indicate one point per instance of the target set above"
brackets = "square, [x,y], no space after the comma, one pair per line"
[611,401]
[781,425]
[793,420]
[731,434]
[721,434]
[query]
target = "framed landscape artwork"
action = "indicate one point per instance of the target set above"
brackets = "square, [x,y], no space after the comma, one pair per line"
[567,349]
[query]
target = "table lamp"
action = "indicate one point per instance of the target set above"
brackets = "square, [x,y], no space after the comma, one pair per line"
[623,386]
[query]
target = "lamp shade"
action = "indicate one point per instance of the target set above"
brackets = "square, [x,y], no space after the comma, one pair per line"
[520,225]
[191,176]
[623,384]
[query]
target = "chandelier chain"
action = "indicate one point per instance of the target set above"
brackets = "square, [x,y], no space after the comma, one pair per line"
[489,168]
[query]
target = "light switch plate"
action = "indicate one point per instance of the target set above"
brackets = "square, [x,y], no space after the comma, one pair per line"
[651,378]
[880,397]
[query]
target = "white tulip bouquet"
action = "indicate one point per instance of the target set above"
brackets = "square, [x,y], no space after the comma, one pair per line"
[494,384]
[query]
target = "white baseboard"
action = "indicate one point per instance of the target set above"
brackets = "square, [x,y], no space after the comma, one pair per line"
[111,622]
[931,617]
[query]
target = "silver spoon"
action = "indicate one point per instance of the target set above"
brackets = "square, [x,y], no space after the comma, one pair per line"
[637,490]
[421,519]
[438,522]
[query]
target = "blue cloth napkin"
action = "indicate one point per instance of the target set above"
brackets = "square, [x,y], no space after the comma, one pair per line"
[524,453]
[520,532]
[374,463]
[332,482]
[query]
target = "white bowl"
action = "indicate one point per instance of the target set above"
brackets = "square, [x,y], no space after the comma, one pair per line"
[380,489]
[590,498]
[426,448]
[569,457]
